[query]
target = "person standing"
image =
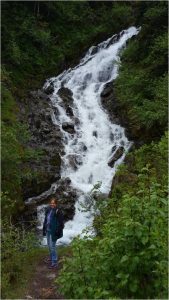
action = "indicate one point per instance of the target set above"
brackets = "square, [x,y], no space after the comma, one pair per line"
[53,229]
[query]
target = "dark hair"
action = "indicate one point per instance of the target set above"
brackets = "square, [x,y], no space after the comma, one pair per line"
[53,199]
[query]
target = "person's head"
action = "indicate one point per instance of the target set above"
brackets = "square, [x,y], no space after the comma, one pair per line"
[53,202]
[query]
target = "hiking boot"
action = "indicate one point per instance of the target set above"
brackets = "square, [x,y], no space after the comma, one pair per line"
[53,266]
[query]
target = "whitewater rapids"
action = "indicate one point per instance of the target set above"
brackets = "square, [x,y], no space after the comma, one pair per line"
[93,130]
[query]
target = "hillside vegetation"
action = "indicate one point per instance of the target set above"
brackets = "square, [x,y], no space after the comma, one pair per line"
[128,256]
[39,40]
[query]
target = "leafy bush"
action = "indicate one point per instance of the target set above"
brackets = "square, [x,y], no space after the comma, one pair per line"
[128,256]
[143,74]
[16,245]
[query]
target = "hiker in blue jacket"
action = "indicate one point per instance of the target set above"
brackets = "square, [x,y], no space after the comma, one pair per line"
[53,229]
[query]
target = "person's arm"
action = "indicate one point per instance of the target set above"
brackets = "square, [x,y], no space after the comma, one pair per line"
[44,223]
[60,219]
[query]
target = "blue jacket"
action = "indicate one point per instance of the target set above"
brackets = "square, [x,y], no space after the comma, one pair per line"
[56,223]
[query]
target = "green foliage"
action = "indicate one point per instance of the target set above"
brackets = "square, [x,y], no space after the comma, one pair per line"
[14,153]
[144,75]
[16,247]
[122,13]
[128,256]
[41,39]
[10,161]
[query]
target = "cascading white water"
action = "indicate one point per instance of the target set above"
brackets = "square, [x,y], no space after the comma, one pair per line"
[94,129]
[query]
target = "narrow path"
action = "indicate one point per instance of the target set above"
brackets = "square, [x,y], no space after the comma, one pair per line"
[42,285]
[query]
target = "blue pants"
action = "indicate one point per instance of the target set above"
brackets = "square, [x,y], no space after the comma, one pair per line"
[52,248]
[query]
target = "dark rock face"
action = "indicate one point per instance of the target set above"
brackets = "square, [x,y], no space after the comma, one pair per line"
[67,197]
[119,152]
[95,133]
[117,114]
[69,127]
[64,193]
[94,50]
[107,91]
[114,148]
[45,136]
[109,102]
[49,90]
[69,111]
[66,95]
[114,39]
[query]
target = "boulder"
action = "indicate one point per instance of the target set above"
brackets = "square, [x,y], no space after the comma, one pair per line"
[116,156]
[69,127]
[49,89]
[113,40]
[67,197]
[95,133]
[82,147]
[108,90]
[64,193]
[94,50]
[114,148]
[69,111]
[66,95]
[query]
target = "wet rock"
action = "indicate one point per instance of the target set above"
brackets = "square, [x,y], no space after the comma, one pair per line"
[69,127]
[114,39]
[116,156]
[45,137]
[66,95]
[56,111]
[63,192]
[74,160]
[108,90]
[99,196]
[95,133]
[94,50]
[67,197]
[83,147]
[69,111]
[76,121]
[50,89]
[114,148]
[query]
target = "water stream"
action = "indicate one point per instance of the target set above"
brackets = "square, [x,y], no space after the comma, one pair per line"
[95,135]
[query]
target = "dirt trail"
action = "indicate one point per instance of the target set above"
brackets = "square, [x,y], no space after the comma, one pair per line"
[42,285]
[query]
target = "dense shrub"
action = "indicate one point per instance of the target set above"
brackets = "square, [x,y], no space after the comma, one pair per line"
[128,256]
[141,87]
[17,245]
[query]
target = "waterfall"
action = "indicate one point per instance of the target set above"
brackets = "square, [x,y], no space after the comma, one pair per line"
[94,134]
